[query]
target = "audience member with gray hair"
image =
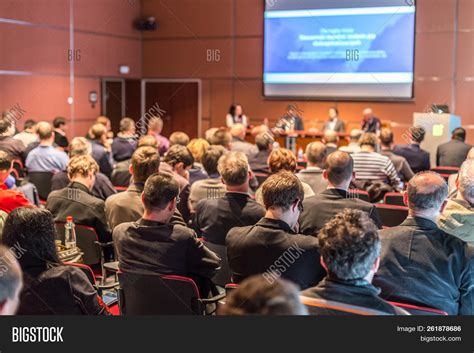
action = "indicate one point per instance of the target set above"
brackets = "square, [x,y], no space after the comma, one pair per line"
[316,153]
[353,145]
[350,252]
[238,143]
[420,263]
[452,180]
[458,215]
[258,161]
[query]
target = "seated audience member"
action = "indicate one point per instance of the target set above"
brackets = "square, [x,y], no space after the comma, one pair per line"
[45,157]
[371,166]
[454,152]
[127,206]
[79,146]
[370,123]
[330,139]
[50,287]
[216,216]
[417,158]
[458,215]
[334,123]
[152,245]
[420,264]
[197,147]
[238,143]
[101,150]
[76,199]
[452,187]
[28,135]
[350,252]
[283,159]
[258,161]
[60,138]
[9,199]
[210,133]
[353,145]
[125,143]
[258,296]
[177,162]
[316,153]
[320,209]
[273,247]
[179,138]
[11,282]
[221,137]
[212,187]
[400,163]
[155,127]
[236,116]
[14,148]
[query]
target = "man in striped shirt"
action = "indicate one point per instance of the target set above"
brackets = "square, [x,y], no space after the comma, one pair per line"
[372,166]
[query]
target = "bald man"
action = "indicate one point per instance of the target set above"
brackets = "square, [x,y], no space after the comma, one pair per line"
[330,139]
[316,153]
[370,123]
[420,264]
[238,143]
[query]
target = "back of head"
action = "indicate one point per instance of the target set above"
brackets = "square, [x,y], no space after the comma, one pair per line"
[155,124]
[44,130]
[282,159]
[29,124]
[197,147]
[426,191]
[148,140]
[221,137]
[127,125]
[238,131]
[281,190]
[159,191]
[210,159]
[417,134]
[264,141]
[5,162]
[258,296]
[178,154]
[81,166]
[470,155]
[179,138]
[58,122]
[368,139]
[349,245]
[10,282]
[316,153]
[330,136]
[209,134]
[466,181]
[145,162]
[386,137]
[459,134]
[5,125]
[339,168]
[97,131]
[234,168]
[79,146]
[355,135]
[103,120]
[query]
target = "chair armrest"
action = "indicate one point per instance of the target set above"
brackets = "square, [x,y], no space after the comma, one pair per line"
[214,299]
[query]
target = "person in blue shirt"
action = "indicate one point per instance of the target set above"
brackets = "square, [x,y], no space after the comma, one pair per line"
[45,157]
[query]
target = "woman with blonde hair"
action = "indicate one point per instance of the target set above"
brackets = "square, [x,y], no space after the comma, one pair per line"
[197,147]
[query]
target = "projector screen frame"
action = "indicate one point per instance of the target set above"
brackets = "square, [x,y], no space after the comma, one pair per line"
[337,98]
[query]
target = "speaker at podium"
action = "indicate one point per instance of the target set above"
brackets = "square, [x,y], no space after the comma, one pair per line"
[438,127]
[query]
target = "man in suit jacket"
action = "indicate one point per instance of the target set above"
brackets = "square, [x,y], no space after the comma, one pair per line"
[417,158]
[400,163]
[154,245]
[77,201]
[316,154]
[259,161]
[273,247]
[127,206]
[238,143]
[101,151]
[370,123]
[334,123]
[291,121]
[350,253]
[421,264]
[14,147]
[216,216]
[454,152]
[319,209]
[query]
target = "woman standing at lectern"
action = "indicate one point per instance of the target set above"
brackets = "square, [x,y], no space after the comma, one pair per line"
[236,116]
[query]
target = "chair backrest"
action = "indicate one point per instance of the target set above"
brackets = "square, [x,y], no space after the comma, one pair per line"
[328,307]
[393,198]
[86,240]
[445,170]
[18,168]
[419,310]
[359,194]
[42,181]
[391,215]
[158,295]
[86,270]
[223,276]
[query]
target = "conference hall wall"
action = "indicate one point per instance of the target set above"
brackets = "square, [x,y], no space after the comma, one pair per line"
[221,41]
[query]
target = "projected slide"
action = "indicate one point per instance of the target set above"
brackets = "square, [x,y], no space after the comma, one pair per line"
[339,52]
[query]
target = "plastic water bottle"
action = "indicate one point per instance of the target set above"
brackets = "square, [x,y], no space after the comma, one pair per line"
[70,234]
[300,154]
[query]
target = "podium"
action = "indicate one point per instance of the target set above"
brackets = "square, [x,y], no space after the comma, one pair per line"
[438,127]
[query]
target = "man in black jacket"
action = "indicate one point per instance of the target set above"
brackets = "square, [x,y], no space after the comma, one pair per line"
[421,264]
[417,158]
[154,245]
[350,250]
[273,247]
[454,152]
[319,209]
[76,199]
[215,216]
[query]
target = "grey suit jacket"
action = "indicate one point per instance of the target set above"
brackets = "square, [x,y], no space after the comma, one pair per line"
[313,176]
[340,126]
[452,153]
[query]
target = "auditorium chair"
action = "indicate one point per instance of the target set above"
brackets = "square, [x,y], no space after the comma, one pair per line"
[359,194]
[419,310]
[394,199]
[328,307]
[162,295]
[445,170]
[88,242]
[42,181]
[18,170]
[391,215]
[223,276]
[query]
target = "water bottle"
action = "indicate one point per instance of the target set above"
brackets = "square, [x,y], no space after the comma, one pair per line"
[70,234]
[300,154]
